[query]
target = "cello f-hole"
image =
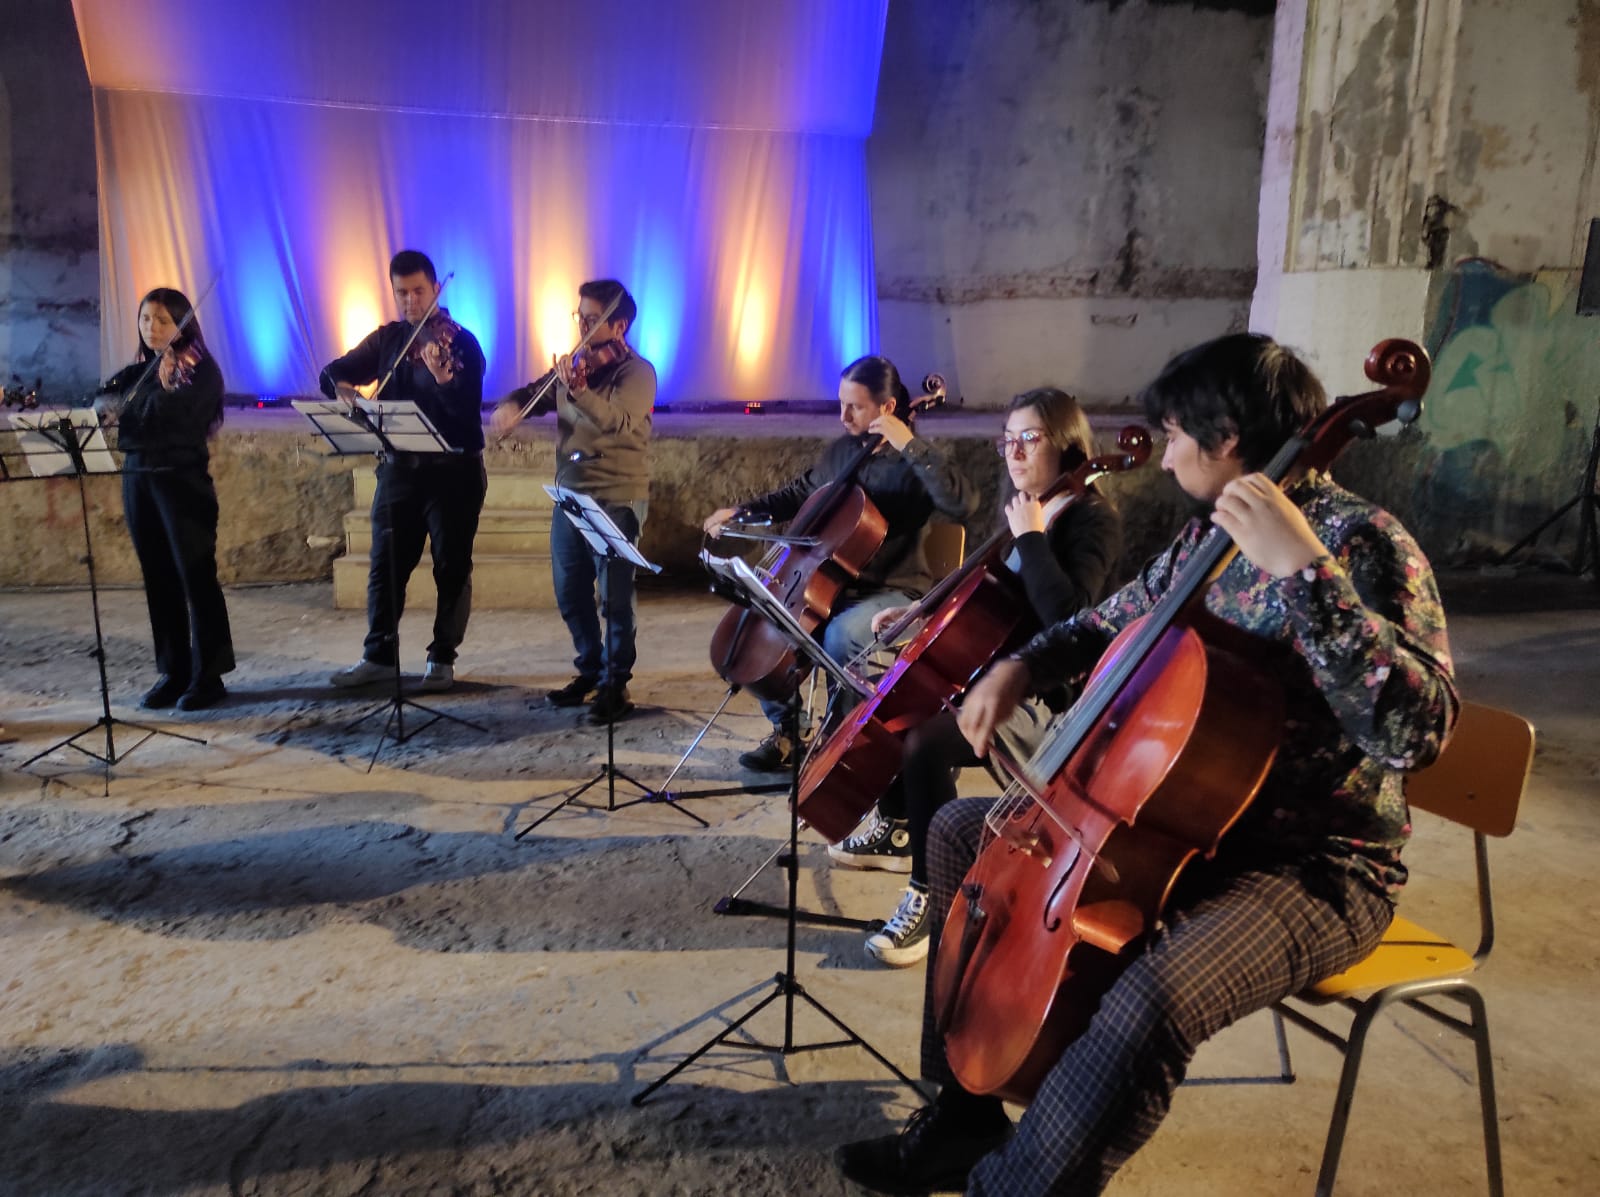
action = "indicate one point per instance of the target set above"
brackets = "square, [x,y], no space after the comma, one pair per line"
[1051,921]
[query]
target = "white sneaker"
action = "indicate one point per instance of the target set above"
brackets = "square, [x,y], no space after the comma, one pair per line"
[361,673]
[438,676]
[904,938]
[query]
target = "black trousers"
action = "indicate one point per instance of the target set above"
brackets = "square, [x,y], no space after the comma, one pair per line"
[440,498]
[172,518]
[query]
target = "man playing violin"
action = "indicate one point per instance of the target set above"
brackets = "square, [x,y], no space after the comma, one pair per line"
[1342,608]
[433,495]
[603,402]
[907,479]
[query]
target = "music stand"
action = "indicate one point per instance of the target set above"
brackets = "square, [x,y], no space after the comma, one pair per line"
[383,430]
[58,444]
[1587,555]
[748,588]
[785,984]
[611,544]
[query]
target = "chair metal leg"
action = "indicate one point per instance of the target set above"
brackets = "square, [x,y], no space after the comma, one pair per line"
[1342,1101]
[1491,1114]
[1285,1066]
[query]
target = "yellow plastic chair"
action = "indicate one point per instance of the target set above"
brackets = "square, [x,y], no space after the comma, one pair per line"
[1477,782]
[943,546]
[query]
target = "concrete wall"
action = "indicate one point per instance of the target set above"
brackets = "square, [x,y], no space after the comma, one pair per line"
[1064,192]
[283,503]
[49,239]
[1430,173]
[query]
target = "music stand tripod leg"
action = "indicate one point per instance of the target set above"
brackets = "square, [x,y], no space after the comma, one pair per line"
[397,702]
[785,984]
[69,434]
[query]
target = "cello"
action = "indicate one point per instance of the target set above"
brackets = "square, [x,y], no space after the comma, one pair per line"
[1169,743]
[830,541]
[972,615]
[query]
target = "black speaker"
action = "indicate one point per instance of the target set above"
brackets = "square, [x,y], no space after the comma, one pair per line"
[1589,283]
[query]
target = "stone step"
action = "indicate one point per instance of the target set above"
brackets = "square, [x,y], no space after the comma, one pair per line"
[500,582]
[508,489]
[501,532]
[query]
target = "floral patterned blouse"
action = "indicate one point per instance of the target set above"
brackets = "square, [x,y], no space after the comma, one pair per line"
[1369,689]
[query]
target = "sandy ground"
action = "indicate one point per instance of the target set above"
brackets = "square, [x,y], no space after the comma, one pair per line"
[253,966]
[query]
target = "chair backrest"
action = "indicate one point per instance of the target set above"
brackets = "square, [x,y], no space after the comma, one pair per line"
[1479,777]
[943,545]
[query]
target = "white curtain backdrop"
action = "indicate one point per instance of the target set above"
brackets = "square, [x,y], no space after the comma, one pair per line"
[709,155]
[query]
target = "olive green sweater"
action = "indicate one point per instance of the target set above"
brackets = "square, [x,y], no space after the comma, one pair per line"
[604,446]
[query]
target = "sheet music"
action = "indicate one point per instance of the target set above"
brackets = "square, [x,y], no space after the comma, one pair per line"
[402,424]
[41,440]
[598,528]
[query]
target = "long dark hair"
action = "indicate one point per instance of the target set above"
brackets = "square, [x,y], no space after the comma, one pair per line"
[181,310]
[882,381]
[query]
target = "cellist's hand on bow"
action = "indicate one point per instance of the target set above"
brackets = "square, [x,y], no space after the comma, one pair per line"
[895,431]
[1266,525]
[715,521]
[990,703]
[887,616]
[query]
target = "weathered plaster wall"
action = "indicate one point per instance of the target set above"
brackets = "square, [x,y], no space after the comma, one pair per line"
[49,240]
[1065,192]
[1431,174]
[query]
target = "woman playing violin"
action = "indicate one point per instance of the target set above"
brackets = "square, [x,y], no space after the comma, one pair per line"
[908,478]
[167,404]
[1064,553]
[1343,612]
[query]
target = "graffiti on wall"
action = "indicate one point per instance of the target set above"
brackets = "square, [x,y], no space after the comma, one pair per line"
[1516,380]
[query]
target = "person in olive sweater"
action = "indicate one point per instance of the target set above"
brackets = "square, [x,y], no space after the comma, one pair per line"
[1064,553]
[165,406]
[434,495]
[603,415]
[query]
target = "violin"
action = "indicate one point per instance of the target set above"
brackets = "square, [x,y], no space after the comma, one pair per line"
[437,329]
[177,365]
[592,360]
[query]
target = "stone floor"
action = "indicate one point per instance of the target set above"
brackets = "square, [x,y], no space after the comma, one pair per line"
[253,966]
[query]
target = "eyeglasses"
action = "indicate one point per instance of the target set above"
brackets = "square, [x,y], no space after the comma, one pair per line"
[1027,441]
[585,322]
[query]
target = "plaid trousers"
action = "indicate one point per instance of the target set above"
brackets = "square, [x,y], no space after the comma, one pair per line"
[1234,941]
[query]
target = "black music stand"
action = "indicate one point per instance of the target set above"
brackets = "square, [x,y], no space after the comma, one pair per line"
[785,984]
[70,443]
[745,586]
[383,430]
[611,544]
[1587,554]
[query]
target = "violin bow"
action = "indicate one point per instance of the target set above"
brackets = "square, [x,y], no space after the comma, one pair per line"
[554,377]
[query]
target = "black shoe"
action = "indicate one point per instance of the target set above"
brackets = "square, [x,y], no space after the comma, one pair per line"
[774,753]
[611,704]
[207,692]
[574,694]
[935,1150]
[162,695]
